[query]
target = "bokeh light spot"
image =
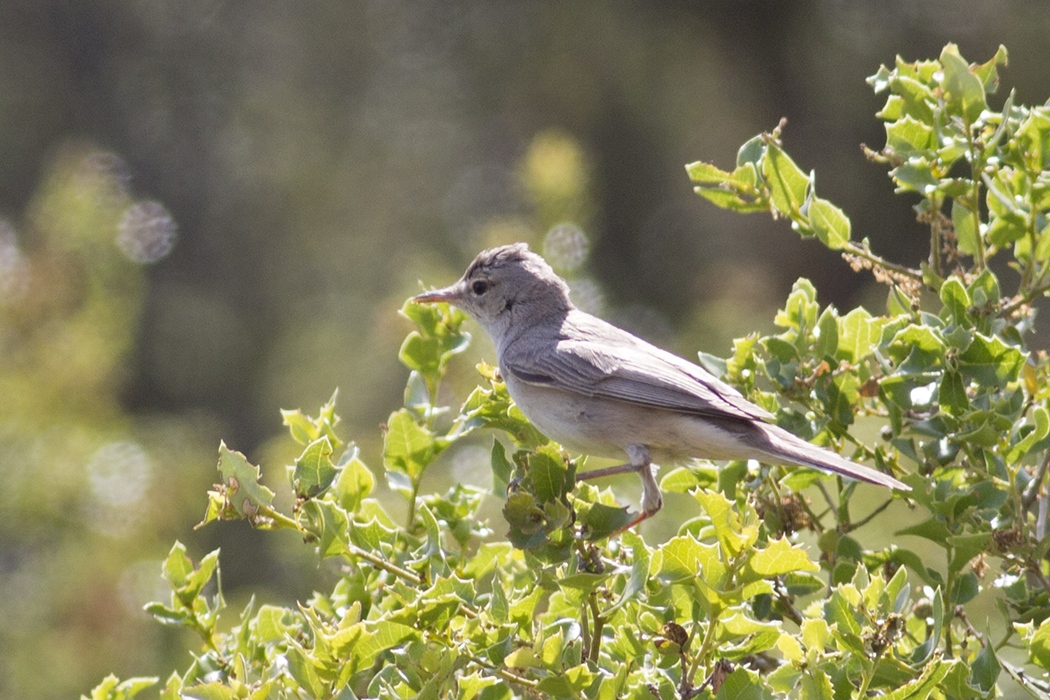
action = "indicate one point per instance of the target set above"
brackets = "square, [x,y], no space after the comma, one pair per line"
[119,476]
[147,232]
[566,247]
[14,267]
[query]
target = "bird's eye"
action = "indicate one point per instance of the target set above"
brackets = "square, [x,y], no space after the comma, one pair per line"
[479,287]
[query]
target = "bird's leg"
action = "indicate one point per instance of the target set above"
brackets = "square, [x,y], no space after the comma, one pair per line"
[642,463]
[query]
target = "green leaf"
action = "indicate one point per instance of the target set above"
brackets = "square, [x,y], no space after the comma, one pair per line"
[840,611]
[827,334]
[956,301]
[200,576]
[965,589]
[639,576]
[742,684]
[706,173]
[907,136]
[991,362]
[924,651]
[778,558]
[965,225]
[966,547]
[363,642]
[951,393]
[751,152]
[988,71]
[240,478]
[734,536]
[1017,451]
[502,469]
[801,308]
[599,520]
[408,447]
[548,475]
[210,691]
[314,471]
[177,566]
[932,529]
[732,201]
[925,685]
[329,524]
[984,289]
[985,669]
[787,183]
[113,689]
[916,98]
[354,484]
[964,90]
[858,333]
[272,623]
[829,223]
[816,685]
[683,558]
[1039,645]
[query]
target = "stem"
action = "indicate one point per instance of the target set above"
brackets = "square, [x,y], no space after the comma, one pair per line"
[1028,297]
[411,518]
[975,175]
[865,680]
[585,632]
[862,250]
[788,605]
[1032,492]
[868,518]
[383,564]
[935,236]
[599,624]
[1036,570]
[501,672]
[279,518]
[698,660]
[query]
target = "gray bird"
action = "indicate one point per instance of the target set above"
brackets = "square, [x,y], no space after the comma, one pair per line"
[598,390]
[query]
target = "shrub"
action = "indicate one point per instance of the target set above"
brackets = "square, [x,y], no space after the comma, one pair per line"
[774,589]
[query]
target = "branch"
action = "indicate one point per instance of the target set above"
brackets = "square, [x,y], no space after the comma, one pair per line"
[1032,492]
[863,250]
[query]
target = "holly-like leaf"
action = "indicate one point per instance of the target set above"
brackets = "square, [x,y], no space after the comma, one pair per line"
[241,490]
[314,471]
[778,558]
[408,447]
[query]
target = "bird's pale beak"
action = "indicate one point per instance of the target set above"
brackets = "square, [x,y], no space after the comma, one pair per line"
[448,294]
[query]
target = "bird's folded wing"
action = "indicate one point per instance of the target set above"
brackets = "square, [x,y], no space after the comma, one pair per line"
[636,373]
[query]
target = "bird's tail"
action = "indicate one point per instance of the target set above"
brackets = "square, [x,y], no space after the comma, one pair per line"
[785,448]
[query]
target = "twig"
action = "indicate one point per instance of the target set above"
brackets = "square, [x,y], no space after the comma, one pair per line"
[869,517]
[864,251]
[1036,570]
[1032,491]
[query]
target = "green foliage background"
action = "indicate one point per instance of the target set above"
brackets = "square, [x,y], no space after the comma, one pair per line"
[316,164]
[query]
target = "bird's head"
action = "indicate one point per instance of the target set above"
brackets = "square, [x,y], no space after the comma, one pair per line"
[506,288]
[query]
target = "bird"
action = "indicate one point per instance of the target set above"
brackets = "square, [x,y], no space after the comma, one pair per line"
[599,390]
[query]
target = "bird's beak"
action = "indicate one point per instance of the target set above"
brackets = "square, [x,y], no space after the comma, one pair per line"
[448,294]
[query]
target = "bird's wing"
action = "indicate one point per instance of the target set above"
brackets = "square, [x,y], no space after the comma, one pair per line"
[597,359]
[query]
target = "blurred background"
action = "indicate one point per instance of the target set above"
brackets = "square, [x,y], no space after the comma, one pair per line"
[210,210]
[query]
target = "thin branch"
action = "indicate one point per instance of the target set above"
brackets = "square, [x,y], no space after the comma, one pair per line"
[381,563]
[599,624]
[1032,492]
[862,250]
[869,517]
[501,672]
[1036,570]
